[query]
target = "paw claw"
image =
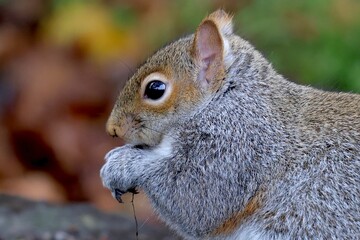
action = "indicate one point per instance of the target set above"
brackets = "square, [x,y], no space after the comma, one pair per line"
[118,193]
[133,190]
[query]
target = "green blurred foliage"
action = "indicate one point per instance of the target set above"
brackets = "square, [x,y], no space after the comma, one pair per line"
[311,41]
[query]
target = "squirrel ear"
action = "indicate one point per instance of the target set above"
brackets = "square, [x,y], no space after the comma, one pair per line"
[222,20]
[211,49]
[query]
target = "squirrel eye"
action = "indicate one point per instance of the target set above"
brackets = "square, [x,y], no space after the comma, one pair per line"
[155,90]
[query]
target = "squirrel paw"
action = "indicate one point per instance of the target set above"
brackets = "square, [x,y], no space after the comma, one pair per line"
[118,193]
[118,173]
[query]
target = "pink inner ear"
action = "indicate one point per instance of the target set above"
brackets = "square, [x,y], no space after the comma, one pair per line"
[208,52]
[209,44]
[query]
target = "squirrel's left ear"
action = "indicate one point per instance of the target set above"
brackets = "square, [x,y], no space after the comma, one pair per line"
[211,49]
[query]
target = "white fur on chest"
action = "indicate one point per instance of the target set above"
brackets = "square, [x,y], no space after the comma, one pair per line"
[163,150]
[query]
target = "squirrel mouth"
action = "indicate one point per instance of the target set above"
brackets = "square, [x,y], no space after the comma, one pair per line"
[141,146]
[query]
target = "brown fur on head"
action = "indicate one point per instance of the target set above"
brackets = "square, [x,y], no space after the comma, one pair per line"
[191,68]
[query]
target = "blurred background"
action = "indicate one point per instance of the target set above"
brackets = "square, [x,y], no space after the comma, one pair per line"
[62,63]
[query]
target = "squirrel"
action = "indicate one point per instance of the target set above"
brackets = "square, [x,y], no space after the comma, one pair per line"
[227,148]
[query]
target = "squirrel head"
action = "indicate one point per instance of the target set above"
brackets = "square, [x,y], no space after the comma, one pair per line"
[172,83]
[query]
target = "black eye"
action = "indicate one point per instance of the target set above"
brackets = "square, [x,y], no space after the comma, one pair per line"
[155,89]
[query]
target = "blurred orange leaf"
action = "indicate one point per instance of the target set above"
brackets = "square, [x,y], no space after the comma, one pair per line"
[92,27]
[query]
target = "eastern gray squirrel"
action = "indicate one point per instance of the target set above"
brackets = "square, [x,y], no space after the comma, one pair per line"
[226,148]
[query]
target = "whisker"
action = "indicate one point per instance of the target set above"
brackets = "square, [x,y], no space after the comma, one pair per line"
[143,126]
[156,119]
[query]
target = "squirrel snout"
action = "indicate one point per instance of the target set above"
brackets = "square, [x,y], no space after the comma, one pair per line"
[111,130]
[119,126]
[114,130]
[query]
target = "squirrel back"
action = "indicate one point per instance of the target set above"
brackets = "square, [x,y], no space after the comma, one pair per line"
[227,148]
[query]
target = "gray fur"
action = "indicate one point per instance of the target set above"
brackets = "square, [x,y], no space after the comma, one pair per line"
[298,146]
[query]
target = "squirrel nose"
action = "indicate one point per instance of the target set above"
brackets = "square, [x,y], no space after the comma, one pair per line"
[111,130]
[119,126]
[114,129]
